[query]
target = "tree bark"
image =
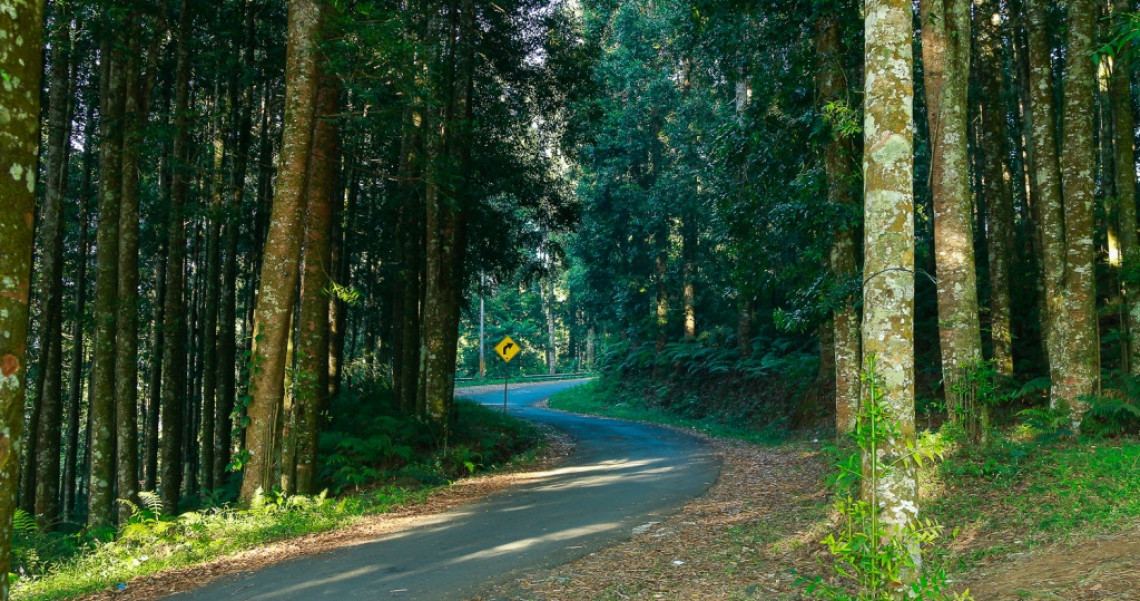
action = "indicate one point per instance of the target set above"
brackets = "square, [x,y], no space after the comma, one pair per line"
[100,502]
[995,174]
[75,390]
[20,59]
[126,318]
[1046,171]
[48,438]
[1124,162]
[449,140]
[838,155]
[174,312]
[312,383]
[227,315]
[280,270]
[1080,379]
[946,70]
[888,280]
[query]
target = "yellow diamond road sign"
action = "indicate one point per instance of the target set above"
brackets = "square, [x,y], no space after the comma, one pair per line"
[507,349]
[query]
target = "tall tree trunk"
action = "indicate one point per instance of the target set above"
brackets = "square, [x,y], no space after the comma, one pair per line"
[280,270]
[75,388]
[1080,379]
[213,294]
[888,280]
[100,502]
[51,281]
[227,315]
[313,335]
[1124,161]
[154,378]
[21,60]
[838,157]
[946,69]
[174,313]
[661,280]
[1047,173]
[995,172]
[126,319]
[546,292]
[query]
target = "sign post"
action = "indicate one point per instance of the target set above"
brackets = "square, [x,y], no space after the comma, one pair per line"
[506,349]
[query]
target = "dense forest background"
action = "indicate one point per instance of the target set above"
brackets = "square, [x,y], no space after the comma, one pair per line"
[243,208]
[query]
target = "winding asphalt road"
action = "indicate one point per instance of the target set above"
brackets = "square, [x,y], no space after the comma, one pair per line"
[622,475]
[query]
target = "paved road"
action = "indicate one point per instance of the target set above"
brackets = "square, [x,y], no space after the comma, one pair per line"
[622,475]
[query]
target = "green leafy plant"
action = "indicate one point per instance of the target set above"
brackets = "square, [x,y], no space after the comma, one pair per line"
[873,557]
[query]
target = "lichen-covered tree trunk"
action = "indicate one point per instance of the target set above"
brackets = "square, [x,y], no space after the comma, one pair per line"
[75,376]
[546,292]
[1080,379]
[1046,169]
[20,60]
[126,317]
[280,267]
[100,500]
[838,156]
[227,313]
[449,148]
[174,311]
[888,269]
[213,268]
[946,68]
[1124,161]
[995,170]
[311,384]
[154,377]
[48,438]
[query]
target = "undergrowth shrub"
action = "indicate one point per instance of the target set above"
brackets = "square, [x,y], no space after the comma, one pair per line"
[873,559]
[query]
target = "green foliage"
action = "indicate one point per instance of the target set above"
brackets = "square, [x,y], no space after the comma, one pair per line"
[1023,492]
[874,559]
[611,399]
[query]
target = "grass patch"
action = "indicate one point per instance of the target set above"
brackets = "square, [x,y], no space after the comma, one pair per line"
[599,397]
[379,463]
[1018,495]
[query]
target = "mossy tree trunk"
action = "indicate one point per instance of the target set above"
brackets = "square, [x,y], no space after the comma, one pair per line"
[946,69]
[1046,170]
[1124,161]
[840,171]
[280,269]
[21,24]
[48,438]
[995,175]
[1080,378]
[311,385]
[888,251]
[174,310]
[101,453]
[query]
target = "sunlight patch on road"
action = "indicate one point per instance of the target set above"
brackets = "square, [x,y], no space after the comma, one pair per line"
[526,543]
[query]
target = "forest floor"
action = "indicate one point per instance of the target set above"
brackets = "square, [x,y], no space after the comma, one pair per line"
[756,533]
